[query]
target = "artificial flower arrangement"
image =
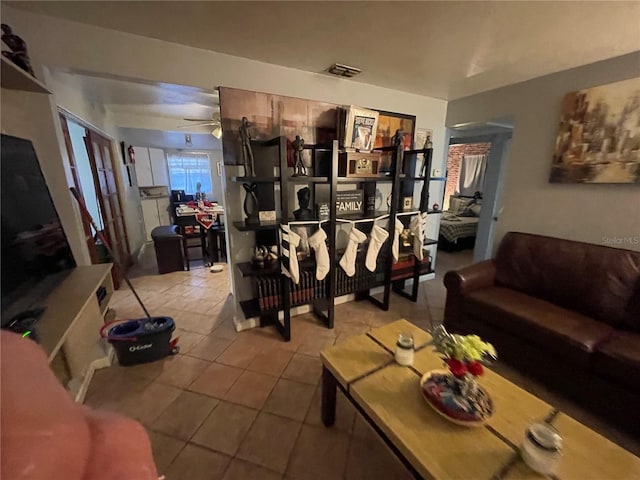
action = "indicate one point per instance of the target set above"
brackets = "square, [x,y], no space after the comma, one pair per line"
[463,353]
[456,394]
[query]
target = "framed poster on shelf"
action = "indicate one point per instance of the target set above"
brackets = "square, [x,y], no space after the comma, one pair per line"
[360,128]
[388,123]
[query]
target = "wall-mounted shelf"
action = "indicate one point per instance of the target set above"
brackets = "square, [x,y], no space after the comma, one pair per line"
[14,78]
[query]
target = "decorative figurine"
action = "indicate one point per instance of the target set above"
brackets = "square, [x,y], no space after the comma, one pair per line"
[259,257]
[396,141]
[18,53]
[251,204]
[272,255]
[398,138]
[247,153]
[428,143]
[304,197]
[299,169]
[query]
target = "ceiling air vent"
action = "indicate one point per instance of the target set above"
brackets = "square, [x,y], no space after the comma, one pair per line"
[341,70]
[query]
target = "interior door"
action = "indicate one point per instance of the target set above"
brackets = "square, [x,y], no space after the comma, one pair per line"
[88,231]
[100,153]
[491,204]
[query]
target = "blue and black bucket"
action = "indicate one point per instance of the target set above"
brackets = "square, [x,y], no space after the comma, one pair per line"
[141,340]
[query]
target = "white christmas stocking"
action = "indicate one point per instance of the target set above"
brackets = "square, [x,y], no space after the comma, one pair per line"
[348,260]
[317,242]
[378,236]
[416,226]
[395,247]
[294,240]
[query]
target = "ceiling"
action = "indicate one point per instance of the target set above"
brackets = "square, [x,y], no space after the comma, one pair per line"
[136,104]
[441,49]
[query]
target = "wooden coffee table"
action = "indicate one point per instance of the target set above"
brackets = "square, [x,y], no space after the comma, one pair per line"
[389,398]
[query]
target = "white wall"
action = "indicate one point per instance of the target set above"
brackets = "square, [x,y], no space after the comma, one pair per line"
[133,56]
[167,139]
[85,175]
[588,213]
[126,55]
[70,98]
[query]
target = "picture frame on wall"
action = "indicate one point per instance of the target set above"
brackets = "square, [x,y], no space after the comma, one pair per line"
[388,123]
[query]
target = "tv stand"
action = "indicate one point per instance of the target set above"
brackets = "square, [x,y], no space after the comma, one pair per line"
[68,330]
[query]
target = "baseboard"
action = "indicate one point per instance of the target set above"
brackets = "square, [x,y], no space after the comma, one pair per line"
[79,386]
[140,252]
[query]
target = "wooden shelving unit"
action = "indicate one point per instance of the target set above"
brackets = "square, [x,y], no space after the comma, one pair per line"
[266,198]
[419,268]
[326,186]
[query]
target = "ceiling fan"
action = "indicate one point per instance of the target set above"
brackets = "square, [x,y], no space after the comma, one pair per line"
[203,122]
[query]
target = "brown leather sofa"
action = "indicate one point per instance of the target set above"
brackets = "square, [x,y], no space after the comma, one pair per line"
[567,312]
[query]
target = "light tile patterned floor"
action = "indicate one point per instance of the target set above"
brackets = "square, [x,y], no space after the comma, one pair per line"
[247,405]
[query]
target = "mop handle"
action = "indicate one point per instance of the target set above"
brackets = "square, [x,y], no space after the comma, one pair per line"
[85,213]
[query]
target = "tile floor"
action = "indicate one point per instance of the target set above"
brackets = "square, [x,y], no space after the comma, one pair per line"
[247,405]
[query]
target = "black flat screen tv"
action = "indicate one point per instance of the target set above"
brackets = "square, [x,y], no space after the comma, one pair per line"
[36,255]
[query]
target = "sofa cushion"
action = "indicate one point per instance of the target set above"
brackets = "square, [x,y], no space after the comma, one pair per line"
[567,334]
[618,358]
[600,282]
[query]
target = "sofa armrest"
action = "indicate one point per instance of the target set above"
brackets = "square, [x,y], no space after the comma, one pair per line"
[473,277]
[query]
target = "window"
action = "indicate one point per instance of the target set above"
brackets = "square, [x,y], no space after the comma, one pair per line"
[186,169]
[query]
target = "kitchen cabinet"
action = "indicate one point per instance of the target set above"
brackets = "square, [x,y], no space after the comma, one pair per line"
[143,166]
[159,170]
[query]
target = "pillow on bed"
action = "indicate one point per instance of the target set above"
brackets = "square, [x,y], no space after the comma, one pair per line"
[475,209]
[458,205]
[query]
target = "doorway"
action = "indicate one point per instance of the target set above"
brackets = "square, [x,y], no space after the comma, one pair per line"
[92,166]
[489,145]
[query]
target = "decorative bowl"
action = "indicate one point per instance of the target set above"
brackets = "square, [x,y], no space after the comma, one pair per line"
[440,390]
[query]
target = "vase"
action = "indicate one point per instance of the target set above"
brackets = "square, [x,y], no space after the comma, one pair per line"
[251,204]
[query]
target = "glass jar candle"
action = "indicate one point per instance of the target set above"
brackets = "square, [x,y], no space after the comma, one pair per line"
[542,448]
[404,349]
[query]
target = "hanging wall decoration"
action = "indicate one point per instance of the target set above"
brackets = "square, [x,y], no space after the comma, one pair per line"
[598,139]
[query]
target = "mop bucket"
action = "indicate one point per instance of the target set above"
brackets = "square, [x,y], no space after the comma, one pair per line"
[141,340]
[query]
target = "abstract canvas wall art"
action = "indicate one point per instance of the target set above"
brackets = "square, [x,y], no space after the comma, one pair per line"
[599,136]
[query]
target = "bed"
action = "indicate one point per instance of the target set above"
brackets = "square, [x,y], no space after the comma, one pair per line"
[459,224]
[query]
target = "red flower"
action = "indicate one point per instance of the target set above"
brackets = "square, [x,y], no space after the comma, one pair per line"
[457,368]
[475,369]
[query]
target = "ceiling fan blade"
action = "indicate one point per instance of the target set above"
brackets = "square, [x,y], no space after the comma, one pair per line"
[197,119]
[203,124]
